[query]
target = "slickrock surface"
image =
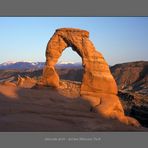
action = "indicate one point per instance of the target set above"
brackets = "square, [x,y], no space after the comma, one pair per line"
[46,109]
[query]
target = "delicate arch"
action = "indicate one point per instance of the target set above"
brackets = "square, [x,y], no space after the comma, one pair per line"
[98,86]
[96,78]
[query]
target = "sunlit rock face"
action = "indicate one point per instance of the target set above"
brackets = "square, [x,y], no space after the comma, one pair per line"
[98,86]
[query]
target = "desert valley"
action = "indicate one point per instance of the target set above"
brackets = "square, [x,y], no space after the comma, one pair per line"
[46,109]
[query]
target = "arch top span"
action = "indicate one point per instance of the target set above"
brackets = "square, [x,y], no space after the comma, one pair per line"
[73,30]
[72,36]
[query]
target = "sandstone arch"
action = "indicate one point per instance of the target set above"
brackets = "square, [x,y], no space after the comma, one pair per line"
[98,85]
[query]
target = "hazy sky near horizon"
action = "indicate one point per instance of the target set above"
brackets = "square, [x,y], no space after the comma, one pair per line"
[119,39]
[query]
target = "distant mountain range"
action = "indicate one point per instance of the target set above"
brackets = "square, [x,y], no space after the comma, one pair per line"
[36,65]
[130,76]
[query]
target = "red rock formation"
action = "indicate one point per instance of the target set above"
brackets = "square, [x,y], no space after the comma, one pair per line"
[98,85]
[26,82]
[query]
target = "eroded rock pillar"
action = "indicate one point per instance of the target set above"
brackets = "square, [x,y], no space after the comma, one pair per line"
[55,47]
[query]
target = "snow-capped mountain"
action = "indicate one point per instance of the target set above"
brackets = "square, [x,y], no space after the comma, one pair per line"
[68,64]
[65,62]
[23,65]
[8,63]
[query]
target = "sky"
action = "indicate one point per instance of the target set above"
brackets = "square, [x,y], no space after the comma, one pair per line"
[119,39]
